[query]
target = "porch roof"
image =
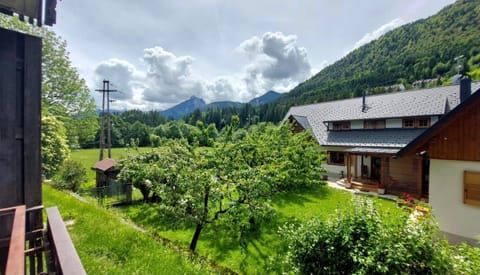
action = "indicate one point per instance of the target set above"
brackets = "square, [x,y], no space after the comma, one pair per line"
[386,138]
[370,150]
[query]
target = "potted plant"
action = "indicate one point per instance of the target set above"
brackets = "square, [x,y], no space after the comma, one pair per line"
[381,188]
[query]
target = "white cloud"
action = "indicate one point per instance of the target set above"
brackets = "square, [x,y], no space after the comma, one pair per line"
[121,74]
[276,56]
[168,77]
[275,62]
[395,23]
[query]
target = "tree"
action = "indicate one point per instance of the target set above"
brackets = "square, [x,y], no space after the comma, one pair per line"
[228,184]
[54,144]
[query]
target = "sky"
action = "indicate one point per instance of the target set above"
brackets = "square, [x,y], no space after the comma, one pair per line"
[159,53]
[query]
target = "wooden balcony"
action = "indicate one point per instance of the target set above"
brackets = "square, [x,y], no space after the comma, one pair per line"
[22,246]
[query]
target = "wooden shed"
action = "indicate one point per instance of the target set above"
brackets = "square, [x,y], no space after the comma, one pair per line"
[105,170]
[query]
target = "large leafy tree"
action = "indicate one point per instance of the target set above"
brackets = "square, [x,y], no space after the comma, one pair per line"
[229,184]
[64,94]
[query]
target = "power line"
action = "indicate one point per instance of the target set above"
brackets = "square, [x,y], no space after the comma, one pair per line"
[105,91]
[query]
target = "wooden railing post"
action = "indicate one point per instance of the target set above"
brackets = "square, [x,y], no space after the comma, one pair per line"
[66,257]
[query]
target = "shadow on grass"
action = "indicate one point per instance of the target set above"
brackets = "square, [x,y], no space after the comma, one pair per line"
[301,196]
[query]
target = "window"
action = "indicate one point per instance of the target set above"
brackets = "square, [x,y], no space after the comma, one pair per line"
[336,158]
[341,126]
[408,123]
[374,124]
[471,188]
[423,122]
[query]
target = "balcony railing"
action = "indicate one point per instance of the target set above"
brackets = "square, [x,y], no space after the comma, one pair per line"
[23,245]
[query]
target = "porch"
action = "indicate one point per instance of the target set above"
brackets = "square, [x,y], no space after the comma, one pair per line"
[367,168]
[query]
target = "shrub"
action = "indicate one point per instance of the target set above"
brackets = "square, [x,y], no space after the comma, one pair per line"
[54,145]
[466,259]
[154,140]
[70,176]
[362,240]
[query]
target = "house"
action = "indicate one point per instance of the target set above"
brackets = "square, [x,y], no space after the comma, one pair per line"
[452,147]
[362,136]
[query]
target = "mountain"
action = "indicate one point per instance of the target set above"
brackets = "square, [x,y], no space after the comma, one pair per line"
[266,98]
[186,107]
[420,52]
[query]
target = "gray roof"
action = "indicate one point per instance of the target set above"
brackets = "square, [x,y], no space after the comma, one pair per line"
[372,150]
[387,138]
[426,102]
[303,121]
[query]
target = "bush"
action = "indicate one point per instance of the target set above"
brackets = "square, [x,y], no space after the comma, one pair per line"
[54,145]
[70,176]
[362,240]
[466,259]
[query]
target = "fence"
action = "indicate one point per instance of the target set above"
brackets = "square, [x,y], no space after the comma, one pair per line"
[113,193]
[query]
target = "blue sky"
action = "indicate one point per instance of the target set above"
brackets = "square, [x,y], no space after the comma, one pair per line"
[159,53]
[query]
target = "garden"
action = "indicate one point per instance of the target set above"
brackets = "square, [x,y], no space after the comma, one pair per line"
[256,205]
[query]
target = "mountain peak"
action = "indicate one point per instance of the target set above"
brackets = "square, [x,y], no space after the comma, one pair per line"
[266,98]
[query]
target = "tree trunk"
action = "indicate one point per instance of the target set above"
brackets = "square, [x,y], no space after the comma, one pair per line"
[196,236]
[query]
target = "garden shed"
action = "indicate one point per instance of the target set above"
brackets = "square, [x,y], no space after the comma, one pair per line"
[105,170]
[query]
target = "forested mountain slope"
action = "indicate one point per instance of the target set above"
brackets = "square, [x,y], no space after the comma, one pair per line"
[424,49]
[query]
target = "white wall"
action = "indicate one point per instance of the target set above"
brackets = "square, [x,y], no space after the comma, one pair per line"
[446,198]
[394,123]
[356,124]
[334,169]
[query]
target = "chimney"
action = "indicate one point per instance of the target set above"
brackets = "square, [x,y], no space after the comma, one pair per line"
[465,87]
[364,105]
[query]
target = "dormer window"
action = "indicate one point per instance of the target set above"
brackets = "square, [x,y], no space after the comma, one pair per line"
[408,123]
[341,126]
[374,124]
[421,122]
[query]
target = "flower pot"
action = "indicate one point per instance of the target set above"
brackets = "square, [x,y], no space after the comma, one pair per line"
[381,191]
[347,183]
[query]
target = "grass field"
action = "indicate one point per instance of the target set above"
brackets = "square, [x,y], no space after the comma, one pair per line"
[106,245]
[265,249]
[88,157]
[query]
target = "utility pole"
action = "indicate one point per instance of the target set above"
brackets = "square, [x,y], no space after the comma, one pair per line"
[105,90]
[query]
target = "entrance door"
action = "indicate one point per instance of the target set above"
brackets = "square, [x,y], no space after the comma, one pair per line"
[376,168]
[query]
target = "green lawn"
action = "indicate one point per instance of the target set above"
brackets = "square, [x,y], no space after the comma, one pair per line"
[264,250]
[106,245]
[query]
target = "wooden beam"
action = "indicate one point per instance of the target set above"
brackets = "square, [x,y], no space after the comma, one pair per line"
[355,165]
[67,260]
[16,252]
[419,177]
[349,168]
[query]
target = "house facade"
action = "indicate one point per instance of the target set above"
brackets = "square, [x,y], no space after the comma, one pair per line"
[452,146]
[362,136]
